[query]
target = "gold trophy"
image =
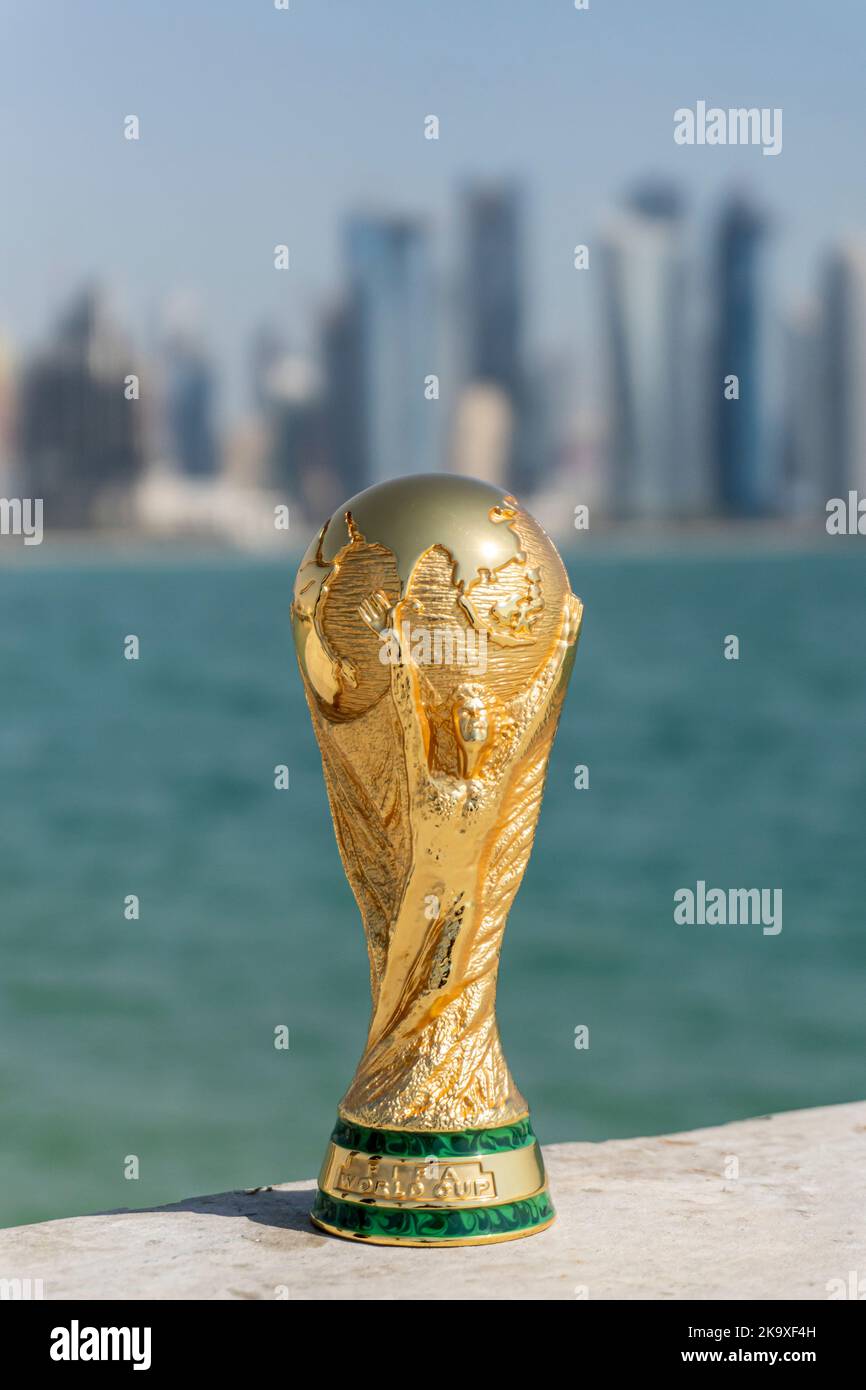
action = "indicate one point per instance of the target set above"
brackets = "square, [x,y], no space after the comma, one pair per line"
[435,630]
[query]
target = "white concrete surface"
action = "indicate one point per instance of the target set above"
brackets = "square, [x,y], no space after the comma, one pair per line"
[661,1218]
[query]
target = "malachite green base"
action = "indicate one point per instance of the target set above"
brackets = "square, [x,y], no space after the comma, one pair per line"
[432,1225]
[399,1187]
[405,1143]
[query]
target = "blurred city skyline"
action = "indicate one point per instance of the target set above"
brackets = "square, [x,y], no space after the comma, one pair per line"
[234,158]
[710,399]
[568,117]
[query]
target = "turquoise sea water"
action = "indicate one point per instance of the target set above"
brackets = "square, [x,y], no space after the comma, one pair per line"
[155,1038]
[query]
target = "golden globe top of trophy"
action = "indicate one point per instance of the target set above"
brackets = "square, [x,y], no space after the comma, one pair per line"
[435,630]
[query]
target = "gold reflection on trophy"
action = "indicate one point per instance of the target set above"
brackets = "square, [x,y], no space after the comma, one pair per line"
[434,769]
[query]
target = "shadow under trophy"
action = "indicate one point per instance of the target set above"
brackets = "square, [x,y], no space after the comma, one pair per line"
[435,630]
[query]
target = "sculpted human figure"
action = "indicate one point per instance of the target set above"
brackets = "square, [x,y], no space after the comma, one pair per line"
[440,976]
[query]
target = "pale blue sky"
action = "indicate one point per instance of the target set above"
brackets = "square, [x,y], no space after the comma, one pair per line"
[261,126]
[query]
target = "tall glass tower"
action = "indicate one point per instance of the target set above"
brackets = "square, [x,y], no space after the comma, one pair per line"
[643,268]
[390,282]
[745,480]
[844,362]
[493,311]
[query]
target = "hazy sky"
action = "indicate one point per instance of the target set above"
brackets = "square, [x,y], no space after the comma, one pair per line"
[261,126]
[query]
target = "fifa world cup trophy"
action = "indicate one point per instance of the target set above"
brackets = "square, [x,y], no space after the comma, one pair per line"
[435,630]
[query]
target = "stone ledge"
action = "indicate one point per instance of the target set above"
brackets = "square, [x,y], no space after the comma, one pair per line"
[638,1218]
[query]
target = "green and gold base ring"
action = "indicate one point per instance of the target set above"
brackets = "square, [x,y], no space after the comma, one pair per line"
[413,1187]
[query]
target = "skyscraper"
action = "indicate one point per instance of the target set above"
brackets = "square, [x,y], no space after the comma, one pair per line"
[494,286]
[345,446]
[297,460]
[267,348]
[844,370]
[493,307]
[746,478]
[390,291]
[189,402]
[80,436]
[804,424]
[7,412]
[648,356]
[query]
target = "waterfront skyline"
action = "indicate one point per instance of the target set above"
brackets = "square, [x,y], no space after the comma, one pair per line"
[236,156]
[687,419]
[386,274]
